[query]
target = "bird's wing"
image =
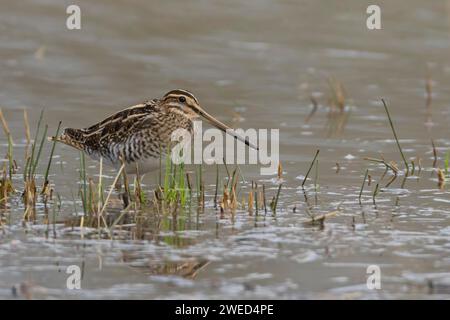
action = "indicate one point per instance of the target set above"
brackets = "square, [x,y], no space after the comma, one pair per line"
[118,128]
[122,117]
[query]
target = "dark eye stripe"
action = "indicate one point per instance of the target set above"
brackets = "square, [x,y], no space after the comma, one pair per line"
[179,92]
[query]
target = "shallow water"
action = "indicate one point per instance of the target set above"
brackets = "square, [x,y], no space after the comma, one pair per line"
[263,60]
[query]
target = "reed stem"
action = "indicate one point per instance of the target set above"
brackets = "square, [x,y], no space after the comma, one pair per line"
[395,135]
[362,186]
[310,167]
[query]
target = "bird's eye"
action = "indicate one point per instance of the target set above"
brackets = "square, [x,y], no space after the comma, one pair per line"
[182,99]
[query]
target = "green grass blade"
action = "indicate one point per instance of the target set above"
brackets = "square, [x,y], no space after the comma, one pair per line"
[38,155]
[51,154]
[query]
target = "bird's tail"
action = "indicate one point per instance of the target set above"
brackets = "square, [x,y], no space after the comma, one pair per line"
[71,137]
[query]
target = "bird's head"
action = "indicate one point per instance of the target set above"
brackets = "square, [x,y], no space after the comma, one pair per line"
[185,103]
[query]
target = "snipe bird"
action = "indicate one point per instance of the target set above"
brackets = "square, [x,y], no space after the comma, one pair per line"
[137,135]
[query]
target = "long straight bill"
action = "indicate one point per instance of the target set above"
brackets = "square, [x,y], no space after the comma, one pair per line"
[226,129]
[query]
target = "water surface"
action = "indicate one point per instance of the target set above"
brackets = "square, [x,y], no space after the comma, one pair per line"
[262,60]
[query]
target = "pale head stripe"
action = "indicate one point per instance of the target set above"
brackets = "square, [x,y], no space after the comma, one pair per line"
[180,92]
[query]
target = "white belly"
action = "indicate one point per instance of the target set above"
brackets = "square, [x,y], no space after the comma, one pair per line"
[144,166]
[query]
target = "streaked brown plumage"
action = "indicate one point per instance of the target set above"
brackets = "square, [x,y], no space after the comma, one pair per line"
[141,132]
